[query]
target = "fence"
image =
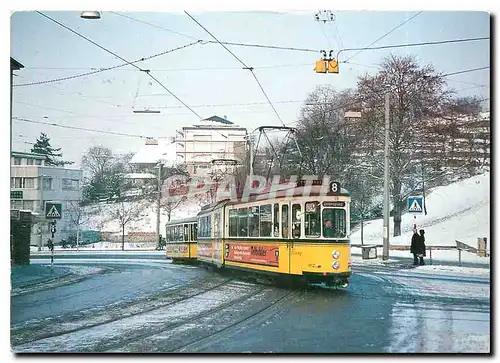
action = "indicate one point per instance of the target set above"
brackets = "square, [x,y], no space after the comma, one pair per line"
[460,246]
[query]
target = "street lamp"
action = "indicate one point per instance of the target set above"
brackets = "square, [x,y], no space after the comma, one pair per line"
[90,14]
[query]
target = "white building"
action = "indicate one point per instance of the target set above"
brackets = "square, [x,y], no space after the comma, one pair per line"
[212,139]
[33,183]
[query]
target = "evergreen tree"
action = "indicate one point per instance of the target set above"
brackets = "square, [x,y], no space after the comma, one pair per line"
[42,146]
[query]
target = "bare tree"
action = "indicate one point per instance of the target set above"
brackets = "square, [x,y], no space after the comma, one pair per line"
[174,193]
[78,218]
[415,93]
[125,213]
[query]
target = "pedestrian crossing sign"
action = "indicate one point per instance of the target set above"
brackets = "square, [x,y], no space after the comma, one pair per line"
[415,205]
[53,210]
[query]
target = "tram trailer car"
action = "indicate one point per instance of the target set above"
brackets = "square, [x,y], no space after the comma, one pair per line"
[181,238]
[301,233]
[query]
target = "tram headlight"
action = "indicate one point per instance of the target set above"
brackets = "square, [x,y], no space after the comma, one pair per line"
[335,254]
[335,265]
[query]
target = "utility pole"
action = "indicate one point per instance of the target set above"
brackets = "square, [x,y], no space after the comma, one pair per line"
[42,211]
[160,165]
[385,255]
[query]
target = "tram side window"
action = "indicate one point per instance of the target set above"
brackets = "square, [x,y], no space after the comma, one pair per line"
[167,234]
[334,223]
[312,223]
[265,220]
[186,232]
[216,225]
[284,221]
[233,223]
[253,221]
[195,229]
[209,225]
[276,225]
[243,222]
[179,233]
[296,210]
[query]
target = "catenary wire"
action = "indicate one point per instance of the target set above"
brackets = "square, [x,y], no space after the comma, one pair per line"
[386,34]
[153,25]
[244,66]
[80,128]
[103,69]
[116,55]
[246,45]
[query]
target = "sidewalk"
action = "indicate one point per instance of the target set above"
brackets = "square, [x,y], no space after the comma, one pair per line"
[35,274]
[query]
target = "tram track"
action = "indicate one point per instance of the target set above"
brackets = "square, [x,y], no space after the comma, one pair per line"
[193,333]
[28,332]
[113,334]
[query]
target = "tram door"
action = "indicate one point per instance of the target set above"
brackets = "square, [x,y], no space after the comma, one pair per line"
[286,228]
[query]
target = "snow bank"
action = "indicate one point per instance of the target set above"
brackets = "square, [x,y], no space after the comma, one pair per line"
[458,211]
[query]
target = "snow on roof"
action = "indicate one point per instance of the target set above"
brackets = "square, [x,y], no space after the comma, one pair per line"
[165,151]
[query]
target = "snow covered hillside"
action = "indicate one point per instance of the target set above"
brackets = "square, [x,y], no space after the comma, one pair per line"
[103,217]
[458,211]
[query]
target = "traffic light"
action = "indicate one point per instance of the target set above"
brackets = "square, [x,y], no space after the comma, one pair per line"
[333,66]
[327,65]
[321,66]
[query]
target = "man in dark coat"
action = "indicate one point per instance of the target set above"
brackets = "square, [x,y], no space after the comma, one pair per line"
[417,247]
[422,247]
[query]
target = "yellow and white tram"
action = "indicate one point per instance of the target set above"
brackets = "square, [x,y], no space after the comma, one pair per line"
[181,236]
[300,232]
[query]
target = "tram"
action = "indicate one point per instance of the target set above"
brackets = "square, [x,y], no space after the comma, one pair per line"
[181,236]
[300,233]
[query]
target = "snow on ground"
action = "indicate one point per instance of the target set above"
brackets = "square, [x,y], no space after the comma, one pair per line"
[433,328]
[458,211]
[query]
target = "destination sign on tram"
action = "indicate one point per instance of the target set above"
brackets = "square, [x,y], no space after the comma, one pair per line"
[334,204]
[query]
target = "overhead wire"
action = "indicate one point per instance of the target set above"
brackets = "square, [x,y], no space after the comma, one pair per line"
[117,67]
[244,66]
[153,25]
[386,34]
[116,55]
[80,128]
[103,69]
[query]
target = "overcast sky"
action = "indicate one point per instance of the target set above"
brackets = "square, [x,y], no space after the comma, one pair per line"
[206,74]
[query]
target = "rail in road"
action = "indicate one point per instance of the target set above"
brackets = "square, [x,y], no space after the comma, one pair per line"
[132,327]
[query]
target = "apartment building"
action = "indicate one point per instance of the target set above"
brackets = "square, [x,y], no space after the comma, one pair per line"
[33,183]
[212,139]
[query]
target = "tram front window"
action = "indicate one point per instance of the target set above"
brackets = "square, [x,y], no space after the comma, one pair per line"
[334,223]
[312,224]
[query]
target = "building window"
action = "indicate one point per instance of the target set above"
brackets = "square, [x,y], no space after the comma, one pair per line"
[47,183]
[22,183]
[29,161]
[70,184]
[17,161]
[29,183]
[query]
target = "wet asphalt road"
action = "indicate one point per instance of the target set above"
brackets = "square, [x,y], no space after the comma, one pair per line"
[359,319]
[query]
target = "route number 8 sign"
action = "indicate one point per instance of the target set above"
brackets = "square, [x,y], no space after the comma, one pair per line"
[335,187]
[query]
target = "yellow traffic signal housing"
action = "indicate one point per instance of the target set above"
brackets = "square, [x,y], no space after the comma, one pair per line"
[321,66]
[333,66]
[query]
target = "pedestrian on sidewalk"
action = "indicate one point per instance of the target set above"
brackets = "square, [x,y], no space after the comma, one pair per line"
[422,247]
[415,246]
